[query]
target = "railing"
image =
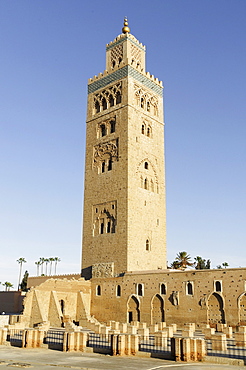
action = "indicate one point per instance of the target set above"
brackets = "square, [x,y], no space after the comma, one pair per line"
[156,344]
[15,337]
[226,348]
[102,342]
[54,339]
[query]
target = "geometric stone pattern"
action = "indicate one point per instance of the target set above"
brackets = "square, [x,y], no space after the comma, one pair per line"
[122,73]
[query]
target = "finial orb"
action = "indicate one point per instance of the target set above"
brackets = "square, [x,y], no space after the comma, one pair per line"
[125,29]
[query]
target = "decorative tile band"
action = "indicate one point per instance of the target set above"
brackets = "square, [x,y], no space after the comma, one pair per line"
[122,40]
[122,73]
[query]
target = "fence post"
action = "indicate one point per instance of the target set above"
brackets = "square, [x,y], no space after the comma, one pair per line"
[29,338]
[24,339]
[83,341]
[176,348]
[161,339]
[114,344]
[121,344]
[134,344]
[3,335]
[185,343]
[201,349]
[70,342]
[65,342]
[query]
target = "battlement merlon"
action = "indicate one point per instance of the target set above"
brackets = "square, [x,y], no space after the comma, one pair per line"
[125,36]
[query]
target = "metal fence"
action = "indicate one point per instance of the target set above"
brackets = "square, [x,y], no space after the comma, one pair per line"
[226,348]
[156,345]
[99,340]
[15,337]
[54,339]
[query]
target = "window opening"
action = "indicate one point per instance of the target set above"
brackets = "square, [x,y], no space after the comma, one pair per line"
[147,245]
[104,103]
[189,289]
[118,291]
[103,166]
[146,165]
[102,228]
[111,101]
[97,107]
[62,303]
[218,286]
[143,129]
[110,165]
[148,132]
[103,130]
[163,289]
[112,126]
[148,107]
[98,290]
[118,98]
[108,227]
[142,102]
[146,184]
[140,290]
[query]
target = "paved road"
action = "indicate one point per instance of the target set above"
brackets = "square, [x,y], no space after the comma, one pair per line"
[42,359]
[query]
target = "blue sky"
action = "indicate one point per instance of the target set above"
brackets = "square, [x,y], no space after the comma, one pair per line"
[48,51]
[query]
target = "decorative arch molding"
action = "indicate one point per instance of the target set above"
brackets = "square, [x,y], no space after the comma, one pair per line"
[147,175]
[157,309]
[242,308]
[216,312]
[133,308]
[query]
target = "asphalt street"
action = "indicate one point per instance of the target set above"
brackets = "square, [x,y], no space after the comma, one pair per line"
[43,359]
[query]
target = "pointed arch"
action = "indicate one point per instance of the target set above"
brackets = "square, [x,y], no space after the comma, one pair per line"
[157,309]
[216,313]
[133,309]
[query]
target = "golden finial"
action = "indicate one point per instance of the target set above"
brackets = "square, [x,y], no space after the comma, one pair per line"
[125,29]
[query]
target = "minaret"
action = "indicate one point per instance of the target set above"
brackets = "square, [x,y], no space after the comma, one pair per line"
[124,224]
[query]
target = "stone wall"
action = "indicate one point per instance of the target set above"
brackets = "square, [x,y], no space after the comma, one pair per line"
[11,302]
[200,296]
[34,281]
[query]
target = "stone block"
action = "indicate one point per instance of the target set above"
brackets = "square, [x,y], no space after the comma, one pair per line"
[219,342]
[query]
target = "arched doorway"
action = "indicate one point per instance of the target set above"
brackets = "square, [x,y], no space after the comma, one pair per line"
[133,310]
[216,312]
[242,309]
[157,309]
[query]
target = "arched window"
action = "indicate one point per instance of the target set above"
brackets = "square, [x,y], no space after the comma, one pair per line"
[104,103]
[146,165]
[147,245]
[146,184]
[112,126]
[97,107]
[103,166]
[163,289]
[140,290]
[108,226]
[102,227]
[148,132]
[142,103]
[189,288]
[143,129]
[98,290]
[103,130]
[118,291]
[218,286]
[118,97]
[111,101]
[110,165]
[113,64]
[120,60]
[148,106]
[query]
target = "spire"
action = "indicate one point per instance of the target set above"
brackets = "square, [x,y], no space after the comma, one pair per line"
[125,29]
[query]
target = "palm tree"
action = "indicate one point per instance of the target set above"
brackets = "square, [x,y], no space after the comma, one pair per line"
[46,260]
[56,259]
[38,263]
[8,285]
[42,260]
[21,260]
[51,259]
[183,259]
[225,265]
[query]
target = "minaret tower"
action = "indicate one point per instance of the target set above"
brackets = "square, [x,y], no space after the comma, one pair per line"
[124,224]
